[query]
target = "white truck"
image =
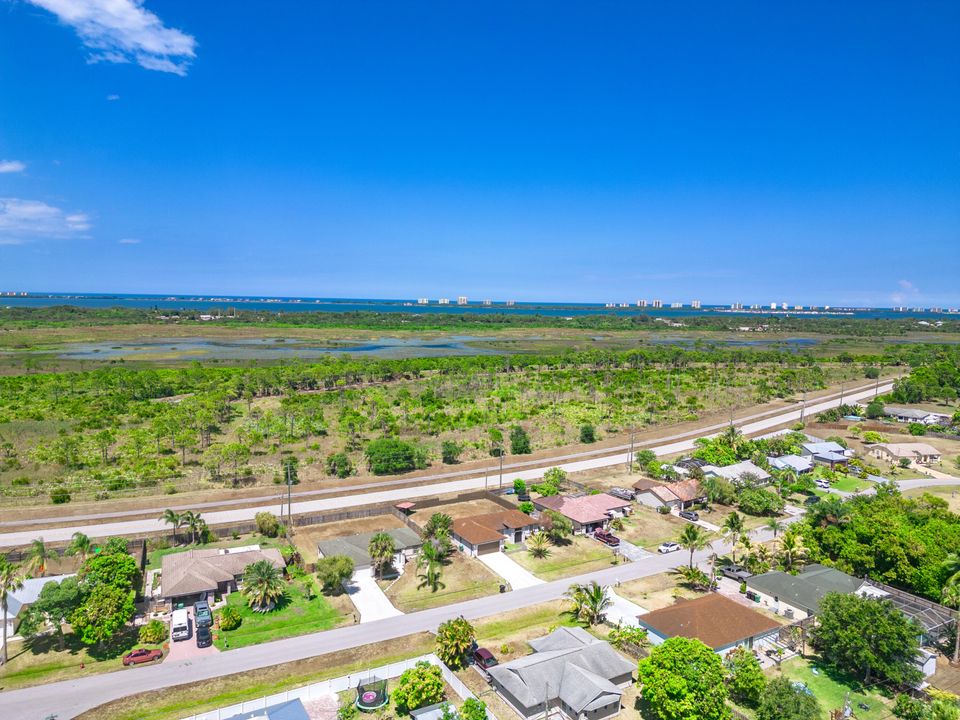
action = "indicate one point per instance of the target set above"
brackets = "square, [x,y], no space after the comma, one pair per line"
[180,625]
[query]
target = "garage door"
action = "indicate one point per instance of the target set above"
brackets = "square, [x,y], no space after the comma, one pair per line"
[487,548]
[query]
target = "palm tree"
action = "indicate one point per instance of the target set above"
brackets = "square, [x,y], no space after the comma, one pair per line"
[774,524]
[830,511]
[431,557]
[193,521]
[263,585]
[81,546]
[539,545]
[692,577]
[10,581]
[693,538]
[734,529]
[439,523]
[172,517]
[37,557]
[792,551]
[576,595]
[951,567]
[950,596]
[381,549]
[590,602]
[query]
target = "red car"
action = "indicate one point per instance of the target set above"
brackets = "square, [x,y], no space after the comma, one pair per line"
[140,656]
[606,538]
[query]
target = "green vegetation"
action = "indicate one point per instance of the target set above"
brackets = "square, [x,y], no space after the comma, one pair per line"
[418,687]
[683,679]
[454,639]
[783,700]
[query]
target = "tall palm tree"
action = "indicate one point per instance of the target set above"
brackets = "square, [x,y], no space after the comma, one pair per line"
[539,545]
[193,521]
[733,529]
[381,549]
[81,546]
[11,580]
[693,538]
[172,517]
[596,600]
[263,585]
[950,596]
[791,550]
[431,558]
[37,557]
[775,525]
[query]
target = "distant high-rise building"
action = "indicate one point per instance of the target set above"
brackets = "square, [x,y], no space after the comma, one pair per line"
[773,306]
[695,304]
[511,303]
[423,301]
[784,306]
[462,300]
[487,303]
[443,301]
[754,307]
[676,306]
[798,307]
[736,306]
[641,303]
[657,304]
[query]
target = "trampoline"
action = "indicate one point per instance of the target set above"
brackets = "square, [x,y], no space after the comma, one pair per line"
[372,694]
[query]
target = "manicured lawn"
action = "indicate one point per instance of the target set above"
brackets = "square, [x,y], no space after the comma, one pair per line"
[38,661]
[155,557]
[464,578]
[847,483]
[648,528]
[580,555]
[295,616]
[831,689]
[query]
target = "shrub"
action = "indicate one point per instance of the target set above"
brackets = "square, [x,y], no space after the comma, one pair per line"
[871,437]
[268,524]
[519,487]
[389,456]
[450,452]
[473,709]
[339,465]
[757,501]
[519,441]
[230,618]
[333,571]
[153,633]
[917,429]
[525,507]
[418,687]
[59,496]
[20,481]
[588,434]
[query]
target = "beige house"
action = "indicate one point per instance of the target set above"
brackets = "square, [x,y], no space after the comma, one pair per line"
[919,453]
[186,576]
[487,533]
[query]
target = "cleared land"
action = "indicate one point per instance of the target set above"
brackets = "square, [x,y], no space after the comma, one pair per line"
[656,591]
[648,528]
[464,578]
[456,510]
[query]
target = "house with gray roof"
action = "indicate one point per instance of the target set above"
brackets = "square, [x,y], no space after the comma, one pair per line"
[797,463]
[570,671]
[910,415]
[356,547]
[286,710]
[737,472]
[19,600]
[798,596]
[826,453]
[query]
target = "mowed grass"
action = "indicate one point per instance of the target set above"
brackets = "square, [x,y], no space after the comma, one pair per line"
[831,689]
[577,556]
[464,578]
[648,528]
[847,483]
[295,616]
[155,557]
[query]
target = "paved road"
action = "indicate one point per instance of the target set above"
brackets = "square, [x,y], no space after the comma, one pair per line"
[668,446]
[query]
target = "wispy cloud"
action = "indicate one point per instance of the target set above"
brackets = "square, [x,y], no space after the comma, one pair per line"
[122,31]
[23,221]
[907,290]
[11,166]
[129,241]
[113,98]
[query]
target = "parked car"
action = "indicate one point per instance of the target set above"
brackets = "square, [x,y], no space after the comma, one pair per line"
[823,484]
[140,656]
[668,547]
[204,638]
[735,572]
[606,537]
[690,515]
[484,658]
[202,617]
[622,493]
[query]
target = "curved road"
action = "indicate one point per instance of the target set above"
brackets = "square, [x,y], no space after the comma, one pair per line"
[671,445]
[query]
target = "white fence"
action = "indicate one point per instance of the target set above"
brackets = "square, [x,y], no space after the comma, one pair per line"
[338,685]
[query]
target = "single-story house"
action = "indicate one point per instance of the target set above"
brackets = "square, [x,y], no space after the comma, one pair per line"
[570,671]
[797,597]
[920,453]
[19,600]
[826,453]
[586,512]
[643,492]
[357,547]
[717,621]
[909,415]
[797,463]
[185,576]
[735,473]
[286,710]
[680,495]
[487,533]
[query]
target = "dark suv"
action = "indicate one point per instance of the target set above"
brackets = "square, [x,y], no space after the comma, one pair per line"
[202,616]
[204,638]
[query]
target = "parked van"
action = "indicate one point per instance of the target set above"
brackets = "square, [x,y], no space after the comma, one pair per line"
[180,625]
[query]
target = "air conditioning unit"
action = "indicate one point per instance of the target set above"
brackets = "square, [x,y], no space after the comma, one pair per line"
[788,613]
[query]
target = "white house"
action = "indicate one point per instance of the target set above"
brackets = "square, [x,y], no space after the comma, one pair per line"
[19,601]
[909,415]
[919,453]
[736,472]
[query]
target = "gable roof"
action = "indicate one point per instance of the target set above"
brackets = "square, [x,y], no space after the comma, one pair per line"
[818,448]
[646,484]
[713,619]
[687,490]
[806,589]
[28,594]
[202,570]
[584,509]
[489,527]
[908,413]
[569,664]
[664,494]
[794,462]
[908,449]
[737,470]
[287,710]
[356,547]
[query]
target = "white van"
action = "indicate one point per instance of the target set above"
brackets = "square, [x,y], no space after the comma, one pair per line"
[180,625]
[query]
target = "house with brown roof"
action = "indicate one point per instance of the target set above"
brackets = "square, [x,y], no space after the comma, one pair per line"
[717,621]
[919,453]
[487,533]
[185,576]
[586,512]
[678,495]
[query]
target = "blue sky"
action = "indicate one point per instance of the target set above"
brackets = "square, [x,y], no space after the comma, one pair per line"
[592,151]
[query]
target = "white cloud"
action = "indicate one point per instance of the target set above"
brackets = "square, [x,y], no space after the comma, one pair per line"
[122,31]
[11,166]
[129,241]
[907,290]
[111,98]
[25,220]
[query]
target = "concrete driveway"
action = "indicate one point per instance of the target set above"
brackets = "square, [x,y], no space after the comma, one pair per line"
[702,523]
[631,552]
[368,598]
[187,649]
[512,572]
[622,611]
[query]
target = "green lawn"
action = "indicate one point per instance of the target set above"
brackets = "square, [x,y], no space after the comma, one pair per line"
[831,689]
[848,483]
[155,557]
[464,578]
[295,616]
[580,555]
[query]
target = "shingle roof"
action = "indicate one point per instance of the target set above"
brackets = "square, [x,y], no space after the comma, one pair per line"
[664,494]
[646,484]
[807,589]
[737,470]
[687,490]
[795,462]
[356,547]
[489,527]
[287,710]
[196,571]
[909,449]
[584,509]
[578,670]
[817,448]
[907,412]
[28,594]
[713,619]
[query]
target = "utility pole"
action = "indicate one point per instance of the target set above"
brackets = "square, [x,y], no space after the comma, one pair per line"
[803,405]
[841,393]
[289,502]
[630,456]
[501,469]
